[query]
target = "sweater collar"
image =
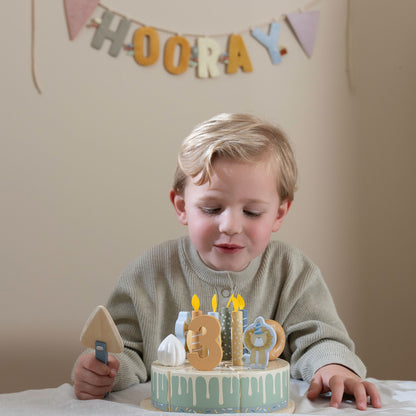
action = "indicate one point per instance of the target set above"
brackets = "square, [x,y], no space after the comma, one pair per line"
[216,278]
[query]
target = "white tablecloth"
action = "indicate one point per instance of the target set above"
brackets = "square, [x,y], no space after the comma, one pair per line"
[399,399]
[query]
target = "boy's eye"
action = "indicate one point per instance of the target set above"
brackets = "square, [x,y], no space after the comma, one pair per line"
[252,213]
[210,211]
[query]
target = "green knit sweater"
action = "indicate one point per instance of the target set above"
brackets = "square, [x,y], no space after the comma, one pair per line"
[281,284]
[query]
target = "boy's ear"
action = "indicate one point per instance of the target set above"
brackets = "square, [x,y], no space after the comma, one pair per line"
[178,203]
[281,214]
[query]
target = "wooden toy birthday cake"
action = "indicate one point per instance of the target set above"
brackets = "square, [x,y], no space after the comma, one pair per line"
[230,367]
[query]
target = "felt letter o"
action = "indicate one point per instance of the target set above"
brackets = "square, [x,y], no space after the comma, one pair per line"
[238,56]
[139,48]
[185,54]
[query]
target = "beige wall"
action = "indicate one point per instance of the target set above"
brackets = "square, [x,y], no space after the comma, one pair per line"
[385,71]
[86,167]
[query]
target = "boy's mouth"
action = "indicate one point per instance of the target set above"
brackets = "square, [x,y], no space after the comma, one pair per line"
[229,248]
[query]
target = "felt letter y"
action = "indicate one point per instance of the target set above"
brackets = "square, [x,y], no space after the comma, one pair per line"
[269,41]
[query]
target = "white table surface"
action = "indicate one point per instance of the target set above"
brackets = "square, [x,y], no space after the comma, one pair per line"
[398,397]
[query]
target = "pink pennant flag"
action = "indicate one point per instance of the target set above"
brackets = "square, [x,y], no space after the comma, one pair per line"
[305,26]
[77,14]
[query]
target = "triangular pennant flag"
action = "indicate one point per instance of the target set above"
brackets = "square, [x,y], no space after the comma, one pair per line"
[305,26]
[77,14]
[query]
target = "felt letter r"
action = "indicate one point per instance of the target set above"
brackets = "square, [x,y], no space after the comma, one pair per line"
[208,54]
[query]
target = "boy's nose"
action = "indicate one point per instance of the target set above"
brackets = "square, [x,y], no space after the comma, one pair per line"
[230,224]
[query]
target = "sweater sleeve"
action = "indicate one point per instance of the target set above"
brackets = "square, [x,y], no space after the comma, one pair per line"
[315,334]
[122,308]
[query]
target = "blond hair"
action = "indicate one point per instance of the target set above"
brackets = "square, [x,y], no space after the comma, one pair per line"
[237,137]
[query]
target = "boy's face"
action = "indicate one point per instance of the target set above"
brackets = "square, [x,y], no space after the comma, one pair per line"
[231,220]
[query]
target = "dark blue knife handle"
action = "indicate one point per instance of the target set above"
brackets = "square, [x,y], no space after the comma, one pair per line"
[101,354]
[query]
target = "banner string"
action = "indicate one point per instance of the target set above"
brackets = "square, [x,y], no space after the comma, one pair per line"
[308,6]
[33,48]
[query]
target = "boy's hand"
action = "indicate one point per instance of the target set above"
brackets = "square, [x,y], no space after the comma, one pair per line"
[340,380]
[92,378]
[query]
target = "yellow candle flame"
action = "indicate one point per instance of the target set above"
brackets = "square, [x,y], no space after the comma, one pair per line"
[235,303]
[231,298]
[241,302]
[214,303]
[195,302]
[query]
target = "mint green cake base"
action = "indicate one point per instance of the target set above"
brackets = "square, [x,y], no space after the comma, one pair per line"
[226,389]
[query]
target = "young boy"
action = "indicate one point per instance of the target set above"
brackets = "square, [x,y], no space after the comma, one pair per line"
[233,187]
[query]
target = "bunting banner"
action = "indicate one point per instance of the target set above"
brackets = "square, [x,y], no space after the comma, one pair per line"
[205,54]
[178,54]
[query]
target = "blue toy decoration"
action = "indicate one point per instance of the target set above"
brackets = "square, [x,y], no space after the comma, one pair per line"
[259,339]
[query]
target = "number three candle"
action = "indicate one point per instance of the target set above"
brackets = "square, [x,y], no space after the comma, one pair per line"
[208,340]
[205,351]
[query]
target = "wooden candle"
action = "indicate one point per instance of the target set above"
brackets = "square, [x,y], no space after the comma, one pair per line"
[237,337]
[241,305]
[237,334]
[181,326]
[194,336]
[225,320]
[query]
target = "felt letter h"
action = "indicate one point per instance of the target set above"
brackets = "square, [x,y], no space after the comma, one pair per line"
[117,37]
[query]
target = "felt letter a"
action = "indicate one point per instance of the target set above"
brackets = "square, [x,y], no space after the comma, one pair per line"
[117,37]
[269,41]
[238,56]
[139,46]
[208,54]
